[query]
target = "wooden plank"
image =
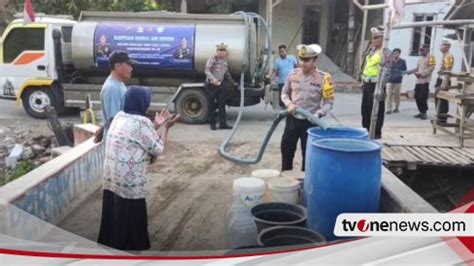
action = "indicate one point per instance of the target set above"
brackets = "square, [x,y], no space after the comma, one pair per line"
[406,154]
[396,153]
[388,155]
[418,154]
[466,152]
[415,154]
[392,155]
[434,156]
[443,156]
[442,159]
[399,156]
[428,159]
[412,155]
[427,145]
[461,158]
[426,154]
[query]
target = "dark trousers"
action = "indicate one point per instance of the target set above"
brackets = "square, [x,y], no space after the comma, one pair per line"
[422,92]
[280,86]
[443,104]
[294,129]
[366,108]
[216,100]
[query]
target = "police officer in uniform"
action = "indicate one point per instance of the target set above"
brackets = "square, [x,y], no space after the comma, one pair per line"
[376,58]
[217,69]
[447,64]
[425,67]
[307,88]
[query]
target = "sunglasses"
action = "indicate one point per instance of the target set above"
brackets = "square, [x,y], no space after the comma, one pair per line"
[222,50]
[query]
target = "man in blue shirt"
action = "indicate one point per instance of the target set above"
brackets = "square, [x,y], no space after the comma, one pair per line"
[113,90]
[282,68]
[394,84]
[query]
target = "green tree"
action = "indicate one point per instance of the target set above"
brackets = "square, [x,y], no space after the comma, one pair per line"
[74,7]
[230,6]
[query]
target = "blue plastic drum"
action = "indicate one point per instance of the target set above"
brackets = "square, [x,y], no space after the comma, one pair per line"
[343,176]
[316,133]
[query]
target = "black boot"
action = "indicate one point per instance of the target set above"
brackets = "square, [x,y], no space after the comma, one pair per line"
[224,126]
[213,127]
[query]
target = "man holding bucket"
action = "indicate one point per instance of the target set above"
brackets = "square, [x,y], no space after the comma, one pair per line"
[307,88]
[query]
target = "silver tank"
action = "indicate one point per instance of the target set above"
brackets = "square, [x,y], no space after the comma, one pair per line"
[209,31]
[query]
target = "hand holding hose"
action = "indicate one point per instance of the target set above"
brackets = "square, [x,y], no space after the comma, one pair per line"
[320,113]
[292,108]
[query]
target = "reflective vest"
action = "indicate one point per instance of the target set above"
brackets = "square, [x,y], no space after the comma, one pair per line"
[448,62]
[372,66]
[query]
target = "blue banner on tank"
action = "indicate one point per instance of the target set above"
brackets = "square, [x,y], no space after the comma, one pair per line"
[154,46]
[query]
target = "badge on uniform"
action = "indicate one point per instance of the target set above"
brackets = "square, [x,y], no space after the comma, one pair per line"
[432,61]
[303,51]
[328,88]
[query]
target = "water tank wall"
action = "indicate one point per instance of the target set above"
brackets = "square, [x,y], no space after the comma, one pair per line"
[155,43]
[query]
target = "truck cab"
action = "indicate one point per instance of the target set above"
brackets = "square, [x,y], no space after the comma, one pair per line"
[57,62]
[28,65]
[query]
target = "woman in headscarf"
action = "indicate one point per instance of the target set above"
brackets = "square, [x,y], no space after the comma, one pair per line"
[132,142]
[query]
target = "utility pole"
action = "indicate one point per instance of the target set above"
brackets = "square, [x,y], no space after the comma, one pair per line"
[379,95]
[350,39]
[270,5]
[363,31]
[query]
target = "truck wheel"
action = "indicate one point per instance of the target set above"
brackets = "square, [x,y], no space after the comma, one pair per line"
[35,99]
[192,106]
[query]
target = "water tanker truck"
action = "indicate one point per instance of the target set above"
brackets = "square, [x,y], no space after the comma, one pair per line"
[60,62]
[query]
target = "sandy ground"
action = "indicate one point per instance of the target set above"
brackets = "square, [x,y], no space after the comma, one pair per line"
[190,195]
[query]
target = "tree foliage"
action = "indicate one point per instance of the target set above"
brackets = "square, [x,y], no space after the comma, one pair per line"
[227,6]
[74,7]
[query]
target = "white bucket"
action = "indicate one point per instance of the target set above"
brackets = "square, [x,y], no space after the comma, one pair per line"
[249,190]
[266,175]
[284,190]
[295,174]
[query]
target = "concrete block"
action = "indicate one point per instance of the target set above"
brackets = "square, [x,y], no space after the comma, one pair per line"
[83,132]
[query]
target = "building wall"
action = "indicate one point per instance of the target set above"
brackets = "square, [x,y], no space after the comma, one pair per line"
[287,18]
[325,23]
[287,22]
[402,38]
